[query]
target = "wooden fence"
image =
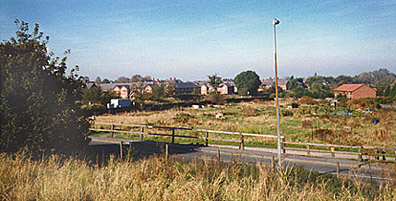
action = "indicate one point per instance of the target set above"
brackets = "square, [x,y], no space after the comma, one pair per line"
[295,148]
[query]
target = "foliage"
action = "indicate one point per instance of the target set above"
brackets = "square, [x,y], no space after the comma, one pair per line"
[92,95]
[216,98]
[214,81]
[249,111]
[248,80]
[106,81]
[295,105]
[170,89]
[379,78]
[365,102]
[307,100]
[158,92]
[122,79]
[38,100]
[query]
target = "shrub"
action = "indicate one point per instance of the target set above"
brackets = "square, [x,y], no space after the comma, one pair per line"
[38,100]
[217,99]
[249,111]
[307,100]
[295,105]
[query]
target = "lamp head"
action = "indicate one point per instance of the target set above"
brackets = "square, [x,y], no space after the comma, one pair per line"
[276,22]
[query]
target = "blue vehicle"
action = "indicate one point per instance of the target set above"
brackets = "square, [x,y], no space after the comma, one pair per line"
[117,103]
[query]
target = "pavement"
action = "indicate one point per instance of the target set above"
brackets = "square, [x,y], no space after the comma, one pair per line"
[320,162]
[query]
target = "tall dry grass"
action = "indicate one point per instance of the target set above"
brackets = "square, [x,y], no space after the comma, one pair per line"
[155,178]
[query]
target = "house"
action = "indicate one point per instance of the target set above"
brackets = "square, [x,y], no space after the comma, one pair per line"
[122,91]
[206,89]
[149,88]
[267,83]
[185,87]
[355,91]
[226,88]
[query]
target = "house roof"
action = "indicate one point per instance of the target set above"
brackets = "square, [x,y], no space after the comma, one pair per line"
[91,84]
[348,87]
[185,85]
[227,84]
[109,86]
[268,82]
[122,85]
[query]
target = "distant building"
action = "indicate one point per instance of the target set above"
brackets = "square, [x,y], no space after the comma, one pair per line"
[267,83]
[185,87]
[206,89]
[355,91]
[122,91]
[226,88]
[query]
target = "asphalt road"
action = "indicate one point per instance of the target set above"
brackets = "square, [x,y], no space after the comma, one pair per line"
[350,168]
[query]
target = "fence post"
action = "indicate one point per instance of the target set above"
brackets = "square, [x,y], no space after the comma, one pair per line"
[283,145]
[273,162]
[207,139]
[360,157]
[338,169]
[166,151]
[308,151]
[332,152]
[242,145]
[112,128]
[141,134]
[395,152]
[121,152]
[173,135]
[218,157]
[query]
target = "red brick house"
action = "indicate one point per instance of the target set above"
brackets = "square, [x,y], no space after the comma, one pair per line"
[122,91]
[355,91]
[226,88]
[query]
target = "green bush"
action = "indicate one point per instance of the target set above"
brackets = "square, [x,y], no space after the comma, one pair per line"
[38,100]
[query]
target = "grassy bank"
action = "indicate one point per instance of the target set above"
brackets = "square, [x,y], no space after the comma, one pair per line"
[155,178]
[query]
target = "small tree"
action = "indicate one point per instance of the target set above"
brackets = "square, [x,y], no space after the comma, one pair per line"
[249,80]
[92,95]
[38,100]
[158,92]
[214,81]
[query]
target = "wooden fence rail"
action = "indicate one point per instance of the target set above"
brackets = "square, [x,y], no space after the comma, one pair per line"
[373,151]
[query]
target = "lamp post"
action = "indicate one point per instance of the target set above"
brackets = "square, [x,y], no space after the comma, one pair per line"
[276,22]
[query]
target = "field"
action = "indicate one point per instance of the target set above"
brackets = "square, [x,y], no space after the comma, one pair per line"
[319,123]
[155,178]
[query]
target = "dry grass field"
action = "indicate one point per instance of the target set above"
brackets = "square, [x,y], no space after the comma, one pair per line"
[308,123]
[156,178]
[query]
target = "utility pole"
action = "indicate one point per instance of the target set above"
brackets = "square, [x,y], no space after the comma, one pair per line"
[276,22]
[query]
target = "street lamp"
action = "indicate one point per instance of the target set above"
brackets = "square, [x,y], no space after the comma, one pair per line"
[276,22]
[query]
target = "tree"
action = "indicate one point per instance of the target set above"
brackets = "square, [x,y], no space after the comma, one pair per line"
[122,79]
[92,95]
[105,81]
[38,100]
[387,91]
[136,78]
[97,95]
[214,81]
[248,80]
[158,92]
[98,80]
[170,89]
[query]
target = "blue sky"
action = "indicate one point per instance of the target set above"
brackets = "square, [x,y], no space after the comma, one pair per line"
[192,39]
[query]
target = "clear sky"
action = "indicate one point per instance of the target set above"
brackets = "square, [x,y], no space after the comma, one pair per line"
[192,39]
